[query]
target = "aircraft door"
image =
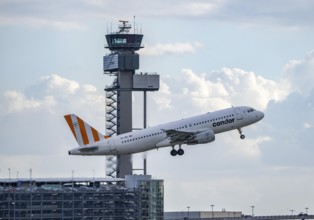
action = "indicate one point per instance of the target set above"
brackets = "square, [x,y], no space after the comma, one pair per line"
[111,145]
[238,113]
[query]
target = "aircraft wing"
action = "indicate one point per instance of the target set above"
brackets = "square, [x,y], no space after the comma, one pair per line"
[179,136]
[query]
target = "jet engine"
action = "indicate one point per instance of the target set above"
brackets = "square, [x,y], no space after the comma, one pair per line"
[202,138]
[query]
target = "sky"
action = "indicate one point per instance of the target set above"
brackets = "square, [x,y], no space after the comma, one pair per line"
[209,54]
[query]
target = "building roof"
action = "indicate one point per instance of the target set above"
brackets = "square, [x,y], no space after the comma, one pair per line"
[62,180]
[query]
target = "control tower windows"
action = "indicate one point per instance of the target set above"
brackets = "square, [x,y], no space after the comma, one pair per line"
[117,41]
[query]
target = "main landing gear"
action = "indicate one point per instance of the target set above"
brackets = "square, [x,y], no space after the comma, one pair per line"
[242,136]
[175,152]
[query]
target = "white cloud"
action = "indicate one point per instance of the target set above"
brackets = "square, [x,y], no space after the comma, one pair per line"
[250,148]
[16,101]
[163,98]
[37,22]
[65,85]
[43,105]
[192,93]
[198,8]
[89,88]
[226,87]
[307,125]
[299,74]
[48,94]
[171,48]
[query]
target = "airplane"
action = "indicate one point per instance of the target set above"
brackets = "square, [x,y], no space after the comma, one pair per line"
[199,129]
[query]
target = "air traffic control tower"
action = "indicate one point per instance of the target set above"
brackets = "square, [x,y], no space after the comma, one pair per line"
[122,63]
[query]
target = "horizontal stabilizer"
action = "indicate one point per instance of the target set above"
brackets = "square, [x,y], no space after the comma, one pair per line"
[88,149]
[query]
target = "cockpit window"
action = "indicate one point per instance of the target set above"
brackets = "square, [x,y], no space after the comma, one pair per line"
[251,110]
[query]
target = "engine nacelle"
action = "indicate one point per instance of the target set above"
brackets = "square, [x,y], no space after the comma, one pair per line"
[202,138]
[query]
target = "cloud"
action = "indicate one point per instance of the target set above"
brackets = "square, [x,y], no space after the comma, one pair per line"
[289,14]
[250,149]
[37,22]
[74,15]
[307,125]
[289,124]
[289,121]
[226,87]
[16,101]
[64,85]
[200,8]
[171,48]
[299,74]
[37,112]
[163,98]
[90,88]
[62,16]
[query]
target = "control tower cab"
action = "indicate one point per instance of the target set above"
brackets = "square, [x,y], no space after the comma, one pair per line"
[122,40]
[122,45]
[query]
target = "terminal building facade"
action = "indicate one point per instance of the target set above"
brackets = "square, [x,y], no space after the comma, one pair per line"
[136,197]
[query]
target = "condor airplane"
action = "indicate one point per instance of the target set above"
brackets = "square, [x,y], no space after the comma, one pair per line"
[200,129]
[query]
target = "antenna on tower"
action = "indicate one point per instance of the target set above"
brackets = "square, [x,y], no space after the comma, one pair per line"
[134,24]
[124,27]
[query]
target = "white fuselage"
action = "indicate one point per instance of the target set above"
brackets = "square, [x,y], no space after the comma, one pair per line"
[156,137]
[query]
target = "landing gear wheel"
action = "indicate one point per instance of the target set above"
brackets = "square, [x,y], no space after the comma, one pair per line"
[180,152]
[173,152]
[242,136]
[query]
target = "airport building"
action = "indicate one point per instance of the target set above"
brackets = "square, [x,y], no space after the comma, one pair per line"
[202,215]
[135,197]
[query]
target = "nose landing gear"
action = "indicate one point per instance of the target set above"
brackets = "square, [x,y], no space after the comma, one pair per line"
[242,136]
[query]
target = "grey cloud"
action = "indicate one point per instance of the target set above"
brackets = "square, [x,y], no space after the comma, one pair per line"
[290,122]
[291,143]
[290,13]
[74,14]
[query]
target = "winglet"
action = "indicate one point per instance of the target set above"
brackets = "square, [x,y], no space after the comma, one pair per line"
[83,132]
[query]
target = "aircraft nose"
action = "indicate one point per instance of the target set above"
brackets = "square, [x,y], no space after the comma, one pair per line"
[69,152]
[260,115]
